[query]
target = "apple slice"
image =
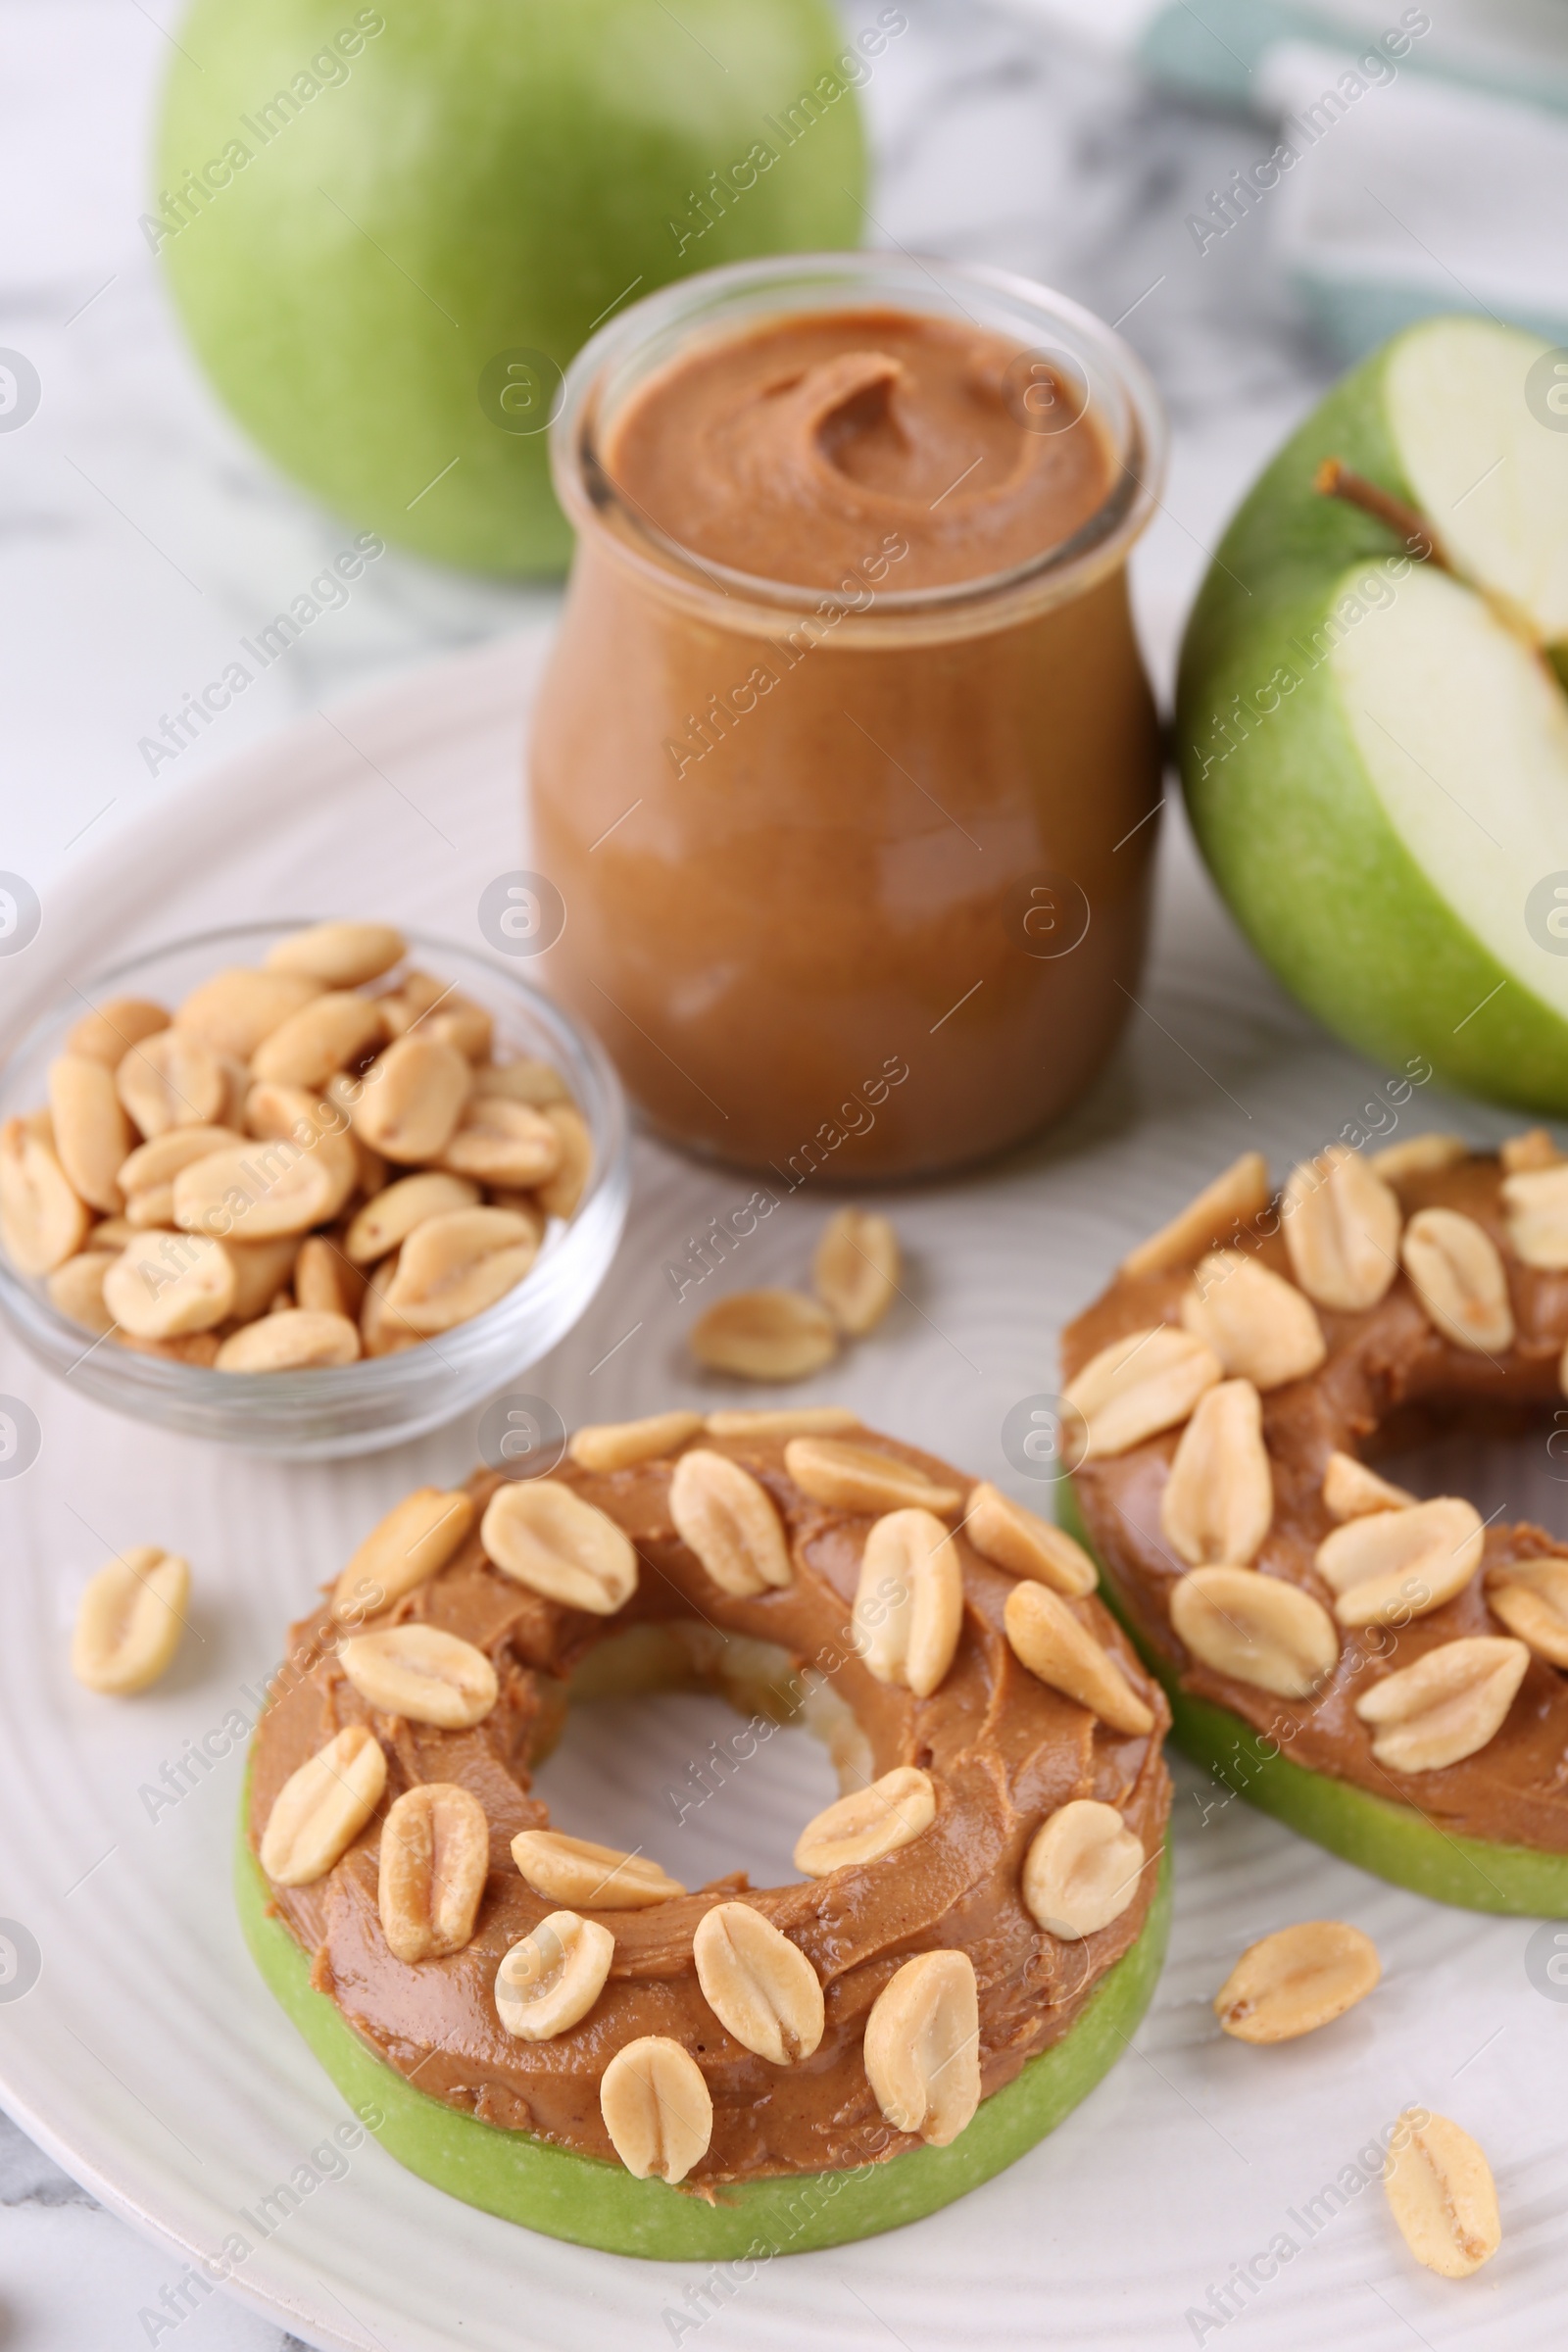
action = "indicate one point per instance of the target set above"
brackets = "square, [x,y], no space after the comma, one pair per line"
[583,2199]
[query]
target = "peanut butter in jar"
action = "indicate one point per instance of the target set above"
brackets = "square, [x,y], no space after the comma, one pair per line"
[843,757]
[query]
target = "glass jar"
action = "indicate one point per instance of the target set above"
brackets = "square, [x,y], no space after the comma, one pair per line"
[855,879]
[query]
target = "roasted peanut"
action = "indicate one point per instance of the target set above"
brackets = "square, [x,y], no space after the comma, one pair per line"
[412,1098]
[497,1141]
[861,1478]
[1420,1155]
[256,1191]
[922,2047]
[1234,1198]
[1522,1154]
[461,1024]
[92,1135]
[1140,1385]
[260,1271]
[761,1987]
[908,1603]
[42,1222]
[417,995]
[537,1083]
[1535,1204]
[274,1112]
[128,1620]
[1530,1596]
[1082,1870]
[619,1444]
[328,1034]
[290,1340]
[338,954]
[324,1282]
[76,1290]
[454,1266]
[1261,1327]
[570,1870]
[855,1269]
[765,1335]
[1047,1638]
[868,1823]
[236,1009]
[543,1535]
[1218,1500]
[551,1980]
[783,1421]
[436,1854]
[1386,1567]
[166,1286]
[418,1671]
[1342,1230]
[1025,1544]
[387,1220]
[108,1032]
[1297,1979]
[416,1538]
[147,1177]
[172,1079]
[1256,1629]
[560,1194]
[1351,1490]
[1441,2194]
[1446,1707]
[1459,1277]
[727,1518]
[657,2108]
[381,1331]
[322,1808]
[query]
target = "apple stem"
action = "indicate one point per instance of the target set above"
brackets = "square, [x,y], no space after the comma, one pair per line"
[1334,479]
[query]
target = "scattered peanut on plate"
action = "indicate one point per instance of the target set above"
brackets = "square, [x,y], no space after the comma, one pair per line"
[301,1165]
[1297,1979]
[128,1620]
[776,1335]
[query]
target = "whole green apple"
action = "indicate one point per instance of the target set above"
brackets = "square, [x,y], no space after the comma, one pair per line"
[1374,739]
[388,229]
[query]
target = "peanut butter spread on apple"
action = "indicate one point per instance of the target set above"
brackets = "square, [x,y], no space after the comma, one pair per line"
[790,451]
[1444,1688]
[1003,1752]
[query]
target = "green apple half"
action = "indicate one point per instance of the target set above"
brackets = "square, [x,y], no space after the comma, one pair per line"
[1394,1841]
[363,211]
[593,2203]
[1375,751]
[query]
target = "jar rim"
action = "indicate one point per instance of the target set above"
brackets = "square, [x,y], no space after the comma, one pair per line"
[713,303]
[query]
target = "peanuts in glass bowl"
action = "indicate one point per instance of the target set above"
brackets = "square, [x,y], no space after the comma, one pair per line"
[301,1165]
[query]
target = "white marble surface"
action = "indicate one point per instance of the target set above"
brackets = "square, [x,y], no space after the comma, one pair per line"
[139,536]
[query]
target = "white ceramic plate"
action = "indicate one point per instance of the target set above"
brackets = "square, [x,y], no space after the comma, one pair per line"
[151,2061]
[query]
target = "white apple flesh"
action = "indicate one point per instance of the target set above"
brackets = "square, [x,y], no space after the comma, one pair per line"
[1463,734]
[1483,466]
[1375,749]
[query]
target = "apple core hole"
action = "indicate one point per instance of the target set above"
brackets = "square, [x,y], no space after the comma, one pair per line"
[697,1749]
[1510,1461]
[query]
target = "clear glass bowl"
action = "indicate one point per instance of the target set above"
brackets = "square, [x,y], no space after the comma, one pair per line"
[352,1409]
